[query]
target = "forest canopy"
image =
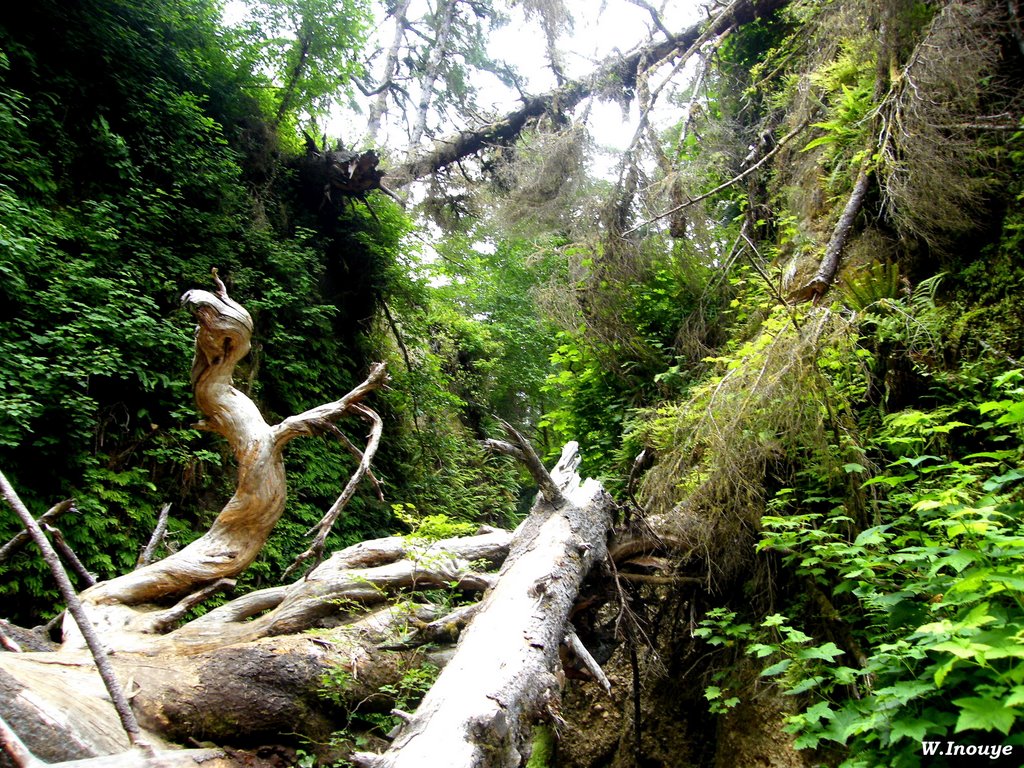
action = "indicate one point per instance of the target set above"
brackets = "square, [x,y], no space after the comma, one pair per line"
[781,318]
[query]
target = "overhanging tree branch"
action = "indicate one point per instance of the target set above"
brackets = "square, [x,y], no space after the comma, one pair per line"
[505,130]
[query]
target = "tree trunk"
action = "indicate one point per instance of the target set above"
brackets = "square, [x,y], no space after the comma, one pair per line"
[505,675]
[438,51]
[380,104]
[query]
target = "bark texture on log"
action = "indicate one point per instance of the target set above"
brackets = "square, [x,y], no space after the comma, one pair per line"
[122,607]
[505,674]
[234,674]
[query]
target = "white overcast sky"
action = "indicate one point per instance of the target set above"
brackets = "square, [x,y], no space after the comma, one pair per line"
[601,28]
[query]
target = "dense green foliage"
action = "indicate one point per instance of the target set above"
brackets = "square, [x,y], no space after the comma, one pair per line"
[140,148]
[843,478]
[867,449]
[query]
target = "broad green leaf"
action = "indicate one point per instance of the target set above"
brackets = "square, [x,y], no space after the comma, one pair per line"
[818,711]
[826,652]
[805,685]
[912,728]
[984,714]
[776,669]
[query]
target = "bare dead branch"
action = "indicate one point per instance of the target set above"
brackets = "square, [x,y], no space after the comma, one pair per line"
[397,334]
[21,537]
[306,423]
[351,448]
[68,555]
[725,185]
[504,448]
[547,486]
[245,607]
[655,16]
[146,557]
[96,648]
[577,647]
[175,613]
[323,528]
[826,273]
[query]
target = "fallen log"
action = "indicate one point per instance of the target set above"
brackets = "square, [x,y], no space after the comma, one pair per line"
[506,674]
[245,670]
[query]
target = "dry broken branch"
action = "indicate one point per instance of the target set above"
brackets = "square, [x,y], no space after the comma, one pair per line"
[92,640]
[829,265]
[323,528]
[146,557]
[481,713]
[22,537]
[521,449]
[726,184]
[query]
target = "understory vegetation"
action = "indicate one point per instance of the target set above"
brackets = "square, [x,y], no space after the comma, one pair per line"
[831,471]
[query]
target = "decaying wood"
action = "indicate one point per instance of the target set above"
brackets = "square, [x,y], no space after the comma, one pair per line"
[504,676]
[244,668]
[224,330]
[364,574]
[333,176]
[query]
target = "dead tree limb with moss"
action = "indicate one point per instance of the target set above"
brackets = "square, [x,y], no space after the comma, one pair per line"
[622,70]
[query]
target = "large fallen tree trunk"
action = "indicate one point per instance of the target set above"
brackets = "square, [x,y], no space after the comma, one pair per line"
[243,672]
[504,677]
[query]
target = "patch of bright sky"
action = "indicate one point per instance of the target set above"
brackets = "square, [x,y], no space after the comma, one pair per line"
[601,29]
